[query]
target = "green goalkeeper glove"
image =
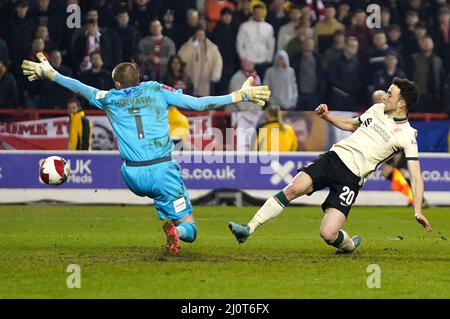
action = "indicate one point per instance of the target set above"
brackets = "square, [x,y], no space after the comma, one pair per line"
[42,70]
[248,93]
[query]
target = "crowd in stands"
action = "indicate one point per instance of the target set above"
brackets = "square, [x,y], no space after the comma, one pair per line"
[307,51]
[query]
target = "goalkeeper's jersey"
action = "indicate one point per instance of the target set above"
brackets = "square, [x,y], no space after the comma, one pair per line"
[138,115]
[377,139]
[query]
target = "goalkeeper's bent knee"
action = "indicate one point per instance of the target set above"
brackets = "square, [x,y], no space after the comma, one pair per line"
[187,231]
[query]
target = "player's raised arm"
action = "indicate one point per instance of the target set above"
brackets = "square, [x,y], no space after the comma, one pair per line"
[44,70]
[344,123]
[248,93]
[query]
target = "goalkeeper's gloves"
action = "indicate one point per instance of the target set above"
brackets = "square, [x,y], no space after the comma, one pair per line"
[42,70]
[248,93]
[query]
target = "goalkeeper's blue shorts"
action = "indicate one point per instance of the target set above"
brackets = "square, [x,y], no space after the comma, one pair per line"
[160,180]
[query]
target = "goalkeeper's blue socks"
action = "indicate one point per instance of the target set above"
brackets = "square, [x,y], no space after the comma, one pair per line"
[187,231]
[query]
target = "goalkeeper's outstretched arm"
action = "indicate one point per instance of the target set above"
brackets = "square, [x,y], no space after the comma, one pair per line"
[248,93]
[44,70]
[344,123]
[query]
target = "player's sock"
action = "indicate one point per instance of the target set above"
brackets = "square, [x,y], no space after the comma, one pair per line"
[344,242]
[187,231]
[271,209]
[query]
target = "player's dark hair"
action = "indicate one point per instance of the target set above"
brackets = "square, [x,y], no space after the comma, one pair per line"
[408,91]
[126,74]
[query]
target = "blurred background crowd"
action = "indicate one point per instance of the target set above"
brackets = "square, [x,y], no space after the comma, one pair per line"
[307,51]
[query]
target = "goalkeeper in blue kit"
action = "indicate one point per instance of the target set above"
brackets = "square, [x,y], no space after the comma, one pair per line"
[138,114]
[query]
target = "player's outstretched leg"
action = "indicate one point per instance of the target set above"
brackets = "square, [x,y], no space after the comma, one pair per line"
[300,185]
[332,233]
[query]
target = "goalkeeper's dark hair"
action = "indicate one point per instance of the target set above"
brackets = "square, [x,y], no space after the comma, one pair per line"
[126,74]
[408,91]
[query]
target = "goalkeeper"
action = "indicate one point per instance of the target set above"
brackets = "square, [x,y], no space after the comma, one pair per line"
[138,115]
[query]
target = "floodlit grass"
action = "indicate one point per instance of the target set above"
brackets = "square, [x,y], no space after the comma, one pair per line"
[120,253]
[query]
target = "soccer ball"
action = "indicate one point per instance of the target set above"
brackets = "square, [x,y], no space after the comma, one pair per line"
[54,170]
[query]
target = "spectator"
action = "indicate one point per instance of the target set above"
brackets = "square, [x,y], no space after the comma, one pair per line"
[442,36]
[345,77]
[282,82]
[418,7]
[92,41]
[428,74]
[385,19]
[249,115]
[257,48]
[170,29]
[314,10]
[113,38]
[394,35]
[37,45]
[19,33]
[288,31]
[203,62]
[129,36]
[277,15]
[91,16]
[244,12]
[274,135]
[34,91]
[44,15]
[359,29]
[180,8]
[344,14]
[383,78]
[4,52]
[8,88]
[176,75]
[213,9]
[409,38]
[80,128]
[42,33]
[155,51]
[333,52]
[107,11]
[143,12]
[376,55]
[310,76]
[295,45]
[53,95]
[324,30]
[224,36]
[193,23]
[97,76]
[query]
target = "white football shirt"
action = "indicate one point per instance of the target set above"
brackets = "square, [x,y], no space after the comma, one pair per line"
[376,140]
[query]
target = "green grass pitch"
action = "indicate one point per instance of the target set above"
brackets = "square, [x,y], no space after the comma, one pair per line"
[119,251]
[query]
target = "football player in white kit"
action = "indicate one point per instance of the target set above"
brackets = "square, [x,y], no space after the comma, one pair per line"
[378,133]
